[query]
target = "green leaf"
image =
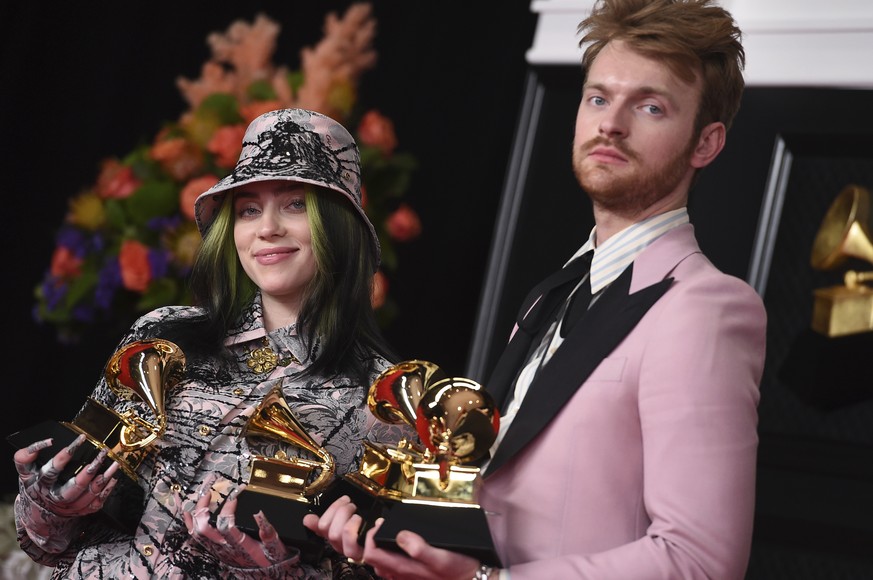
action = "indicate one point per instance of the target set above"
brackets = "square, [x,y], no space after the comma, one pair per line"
[295,81]
[161,292]
[152,199]
[389,255]
[261,90]
[116,217]
[221,107]
[144,167]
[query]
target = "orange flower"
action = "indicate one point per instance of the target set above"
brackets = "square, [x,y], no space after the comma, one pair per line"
[190,192]
[377,131]
[133,259]
[403,225]
[226,145]
[253,110]
[65,264]
[179,157]
[380,289]
[116,181]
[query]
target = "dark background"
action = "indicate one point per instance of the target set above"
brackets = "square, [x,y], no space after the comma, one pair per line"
[84,81]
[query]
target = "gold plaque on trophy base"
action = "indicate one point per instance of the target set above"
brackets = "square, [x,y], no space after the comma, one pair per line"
[400,473]
[842,310]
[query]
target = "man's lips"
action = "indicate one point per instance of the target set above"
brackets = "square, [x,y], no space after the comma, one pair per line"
[607,155]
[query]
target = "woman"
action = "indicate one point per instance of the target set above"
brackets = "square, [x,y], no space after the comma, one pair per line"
[283,281]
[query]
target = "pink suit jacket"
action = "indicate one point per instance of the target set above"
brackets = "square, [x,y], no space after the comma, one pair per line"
[647,470]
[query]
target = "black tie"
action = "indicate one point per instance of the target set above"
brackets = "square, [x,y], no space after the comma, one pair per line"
[532,325]
[579,302]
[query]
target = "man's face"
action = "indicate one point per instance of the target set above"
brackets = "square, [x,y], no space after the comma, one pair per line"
[634,134]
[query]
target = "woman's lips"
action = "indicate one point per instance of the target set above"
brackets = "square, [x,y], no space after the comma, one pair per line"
[272,255]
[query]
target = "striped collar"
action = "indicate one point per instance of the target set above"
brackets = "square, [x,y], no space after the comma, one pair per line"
[615,254]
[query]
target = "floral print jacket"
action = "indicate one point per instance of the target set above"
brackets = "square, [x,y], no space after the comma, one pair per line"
[202,437]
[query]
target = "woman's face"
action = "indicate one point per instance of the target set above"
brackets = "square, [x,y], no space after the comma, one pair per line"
[274,242]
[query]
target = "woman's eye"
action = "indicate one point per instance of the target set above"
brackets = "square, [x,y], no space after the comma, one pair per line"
[297,205]
[247,211]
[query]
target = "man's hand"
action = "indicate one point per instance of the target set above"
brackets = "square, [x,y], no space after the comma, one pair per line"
[340,525]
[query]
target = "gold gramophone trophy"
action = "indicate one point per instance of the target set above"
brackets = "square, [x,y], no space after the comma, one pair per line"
[285,488]
[143,370]
[844,233]
[428,486]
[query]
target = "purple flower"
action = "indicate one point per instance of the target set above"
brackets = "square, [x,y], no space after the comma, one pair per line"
[73,239]
[164,223]
[158,260]
[54,292]
[107,283]
[83,313]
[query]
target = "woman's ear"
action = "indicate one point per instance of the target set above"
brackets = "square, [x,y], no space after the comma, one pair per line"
[709,145]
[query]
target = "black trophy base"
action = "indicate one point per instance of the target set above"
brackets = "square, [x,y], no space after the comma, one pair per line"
[286,515]
[458,529]
[123,508]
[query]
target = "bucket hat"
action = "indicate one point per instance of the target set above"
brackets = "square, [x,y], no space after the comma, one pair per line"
[292,145]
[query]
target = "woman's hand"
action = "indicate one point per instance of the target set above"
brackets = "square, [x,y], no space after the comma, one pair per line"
[226,541]
[81,495]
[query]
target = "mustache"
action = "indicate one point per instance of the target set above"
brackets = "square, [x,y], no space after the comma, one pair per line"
[619,146]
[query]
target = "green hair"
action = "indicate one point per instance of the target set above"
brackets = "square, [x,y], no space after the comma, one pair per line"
[336,309]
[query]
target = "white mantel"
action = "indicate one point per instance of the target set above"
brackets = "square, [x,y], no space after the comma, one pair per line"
[813,43]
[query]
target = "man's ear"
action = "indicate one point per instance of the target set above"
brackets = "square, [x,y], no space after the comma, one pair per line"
[709,145]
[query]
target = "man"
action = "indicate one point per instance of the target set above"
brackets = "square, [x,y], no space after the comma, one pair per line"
[628,442]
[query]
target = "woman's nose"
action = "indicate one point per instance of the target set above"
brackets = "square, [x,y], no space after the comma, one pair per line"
[270,225]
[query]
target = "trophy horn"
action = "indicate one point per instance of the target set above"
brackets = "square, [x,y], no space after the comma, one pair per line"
[273,419]
[457,420]
[144,369]
[394,395]
[844,230]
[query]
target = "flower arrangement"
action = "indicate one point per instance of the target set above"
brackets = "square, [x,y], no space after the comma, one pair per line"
[127,243]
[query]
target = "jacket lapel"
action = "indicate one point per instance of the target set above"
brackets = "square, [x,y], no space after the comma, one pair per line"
[596,334]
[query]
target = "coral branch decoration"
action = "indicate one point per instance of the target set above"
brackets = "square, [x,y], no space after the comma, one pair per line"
[128,241]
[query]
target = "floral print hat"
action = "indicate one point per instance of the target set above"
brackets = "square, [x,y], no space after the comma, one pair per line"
[292,145]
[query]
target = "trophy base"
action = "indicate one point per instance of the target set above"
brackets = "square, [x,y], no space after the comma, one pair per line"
[286,515]
[458,528]
[123,508]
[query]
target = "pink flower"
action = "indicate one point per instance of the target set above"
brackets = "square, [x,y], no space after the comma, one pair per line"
[65,264]
[190,192]
[376,130]
[226,144]
[133,259]
[380,289]
[403,225]
[116,181]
